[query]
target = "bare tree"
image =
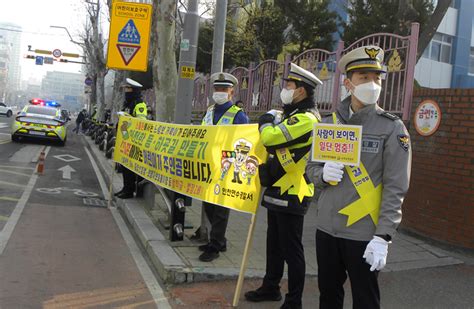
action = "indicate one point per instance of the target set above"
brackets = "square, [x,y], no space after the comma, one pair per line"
[94,50]
[432,26]
[164,58]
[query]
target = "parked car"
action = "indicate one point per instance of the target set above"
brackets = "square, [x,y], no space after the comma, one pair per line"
[40,122]
[5,110]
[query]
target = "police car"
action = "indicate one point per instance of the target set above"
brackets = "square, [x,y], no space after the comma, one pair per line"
[40,120]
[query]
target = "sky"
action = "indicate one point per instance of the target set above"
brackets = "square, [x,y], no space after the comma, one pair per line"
[36,17]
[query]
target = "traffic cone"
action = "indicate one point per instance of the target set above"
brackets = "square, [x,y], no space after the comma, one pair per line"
[40,167]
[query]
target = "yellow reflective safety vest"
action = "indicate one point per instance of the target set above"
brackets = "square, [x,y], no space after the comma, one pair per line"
[227,118]
[140,110]
[289,144]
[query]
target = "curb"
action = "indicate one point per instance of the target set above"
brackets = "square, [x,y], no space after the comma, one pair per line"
[167,263]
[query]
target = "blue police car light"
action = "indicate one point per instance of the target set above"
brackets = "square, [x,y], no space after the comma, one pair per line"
[52,103]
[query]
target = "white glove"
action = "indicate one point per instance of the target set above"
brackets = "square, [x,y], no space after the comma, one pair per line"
[376,253]
[278,115]
[121,113]
[332,172]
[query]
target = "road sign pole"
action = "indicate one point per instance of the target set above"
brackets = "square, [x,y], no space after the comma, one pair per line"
[187,64]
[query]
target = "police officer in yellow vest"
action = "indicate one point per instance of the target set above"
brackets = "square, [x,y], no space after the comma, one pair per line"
[223,112]
[134,106]
[287,138]
[359,208]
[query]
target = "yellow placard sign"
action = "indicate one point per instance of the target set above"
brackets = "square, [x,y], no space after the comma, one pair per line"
[216,164]
[337,143]
[187,72]
[129,36]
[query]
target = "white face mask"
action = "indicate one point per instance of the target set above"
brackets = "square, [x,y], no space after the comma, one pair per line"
[220,97]
[367,93]
[286,96]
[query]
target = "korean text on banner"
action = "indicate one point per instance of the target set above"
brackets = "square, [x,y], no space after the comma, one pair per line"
[216,164]
[337,143]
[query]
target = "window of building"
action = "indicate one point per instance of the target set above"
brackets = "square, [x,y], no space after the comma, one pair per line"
[471,61]
[439,48]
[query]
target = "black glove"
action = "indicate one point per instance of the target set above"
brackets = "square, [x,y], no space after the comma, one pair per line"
[265,118]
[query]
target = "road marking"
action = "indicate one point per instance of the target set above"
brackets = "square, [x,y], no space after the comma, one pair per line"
[5,141]
[12,184]
[7,198]
[17,167]
[77,192]
[67,158]
[153,286]
[15,216]
[67,170]
[16,173]
[3,125]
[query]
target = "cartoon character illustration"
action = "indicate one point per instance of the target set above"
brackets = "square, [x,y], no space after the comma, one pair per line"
[242,148]
[124,128]
[225,166]
[251,166]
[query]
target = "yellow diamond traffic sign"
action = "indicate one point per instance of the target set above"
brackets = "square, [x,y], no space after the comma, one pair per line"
[129,36]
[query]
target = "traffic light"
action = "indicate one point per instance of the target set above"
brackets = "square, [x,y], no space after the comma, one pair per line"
[30,57]
[63,60]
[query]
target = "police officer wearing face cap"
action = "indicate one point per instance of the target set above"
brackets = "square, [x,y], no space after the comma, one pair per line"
[289,191]
[359,208]
[223,112]
[134,106]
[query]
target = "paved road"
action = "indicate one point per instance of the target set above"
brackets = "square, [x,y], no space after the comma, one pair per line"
[63,253]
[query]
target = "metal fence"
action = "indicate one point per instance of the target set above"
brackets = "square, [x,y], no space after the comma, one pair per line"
[259,85]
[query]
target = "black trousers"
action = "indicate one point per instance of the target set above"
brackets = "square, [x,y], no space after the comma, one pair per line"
[130,180]
[338,257]
[218,217]
[284,234]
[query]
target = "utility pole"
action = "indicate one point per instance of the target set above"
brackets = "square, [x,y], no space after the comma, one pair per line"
[187,64]
[219,36]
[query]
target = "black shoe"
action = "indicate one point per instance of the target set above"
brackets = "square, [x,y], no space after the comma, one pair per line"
[125,195]
[262,294]
[290,306]
[209,256]
[117,193]
[208,246]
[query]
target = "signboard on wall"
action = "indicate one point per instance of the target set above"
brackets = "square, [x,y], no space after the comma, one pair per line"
[427,117]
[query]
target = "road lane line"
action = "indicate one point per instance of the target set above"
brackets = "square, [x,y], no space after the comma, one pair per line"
[6,183]
[101,180]
[15,216]
[16,173]
[153,286]
[17,167]
[7,198]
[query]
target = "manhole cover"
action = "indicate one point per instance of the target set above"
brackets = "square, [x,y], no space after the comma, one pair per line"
[94,202]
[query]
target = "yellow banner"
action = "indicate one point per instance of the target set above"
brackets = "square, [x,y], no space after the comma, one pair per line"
[337,143]
[216,164]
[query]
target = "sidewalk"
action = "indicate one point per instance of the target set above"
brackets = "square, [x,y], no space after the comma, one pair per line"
[177,262]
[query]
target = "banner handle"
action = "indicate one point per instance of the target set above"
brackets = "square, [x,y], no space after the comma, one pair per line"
[243,266]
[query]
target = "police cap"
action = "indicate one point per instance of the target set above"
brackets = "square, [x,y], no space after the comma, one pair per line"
[297,73]
[131,83]
[366,58]
[222,79]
